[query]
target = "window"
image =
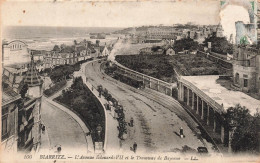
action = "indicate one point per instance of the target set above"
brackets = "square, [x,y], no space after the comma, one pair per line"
[237,78]
[4,125]
[245,82]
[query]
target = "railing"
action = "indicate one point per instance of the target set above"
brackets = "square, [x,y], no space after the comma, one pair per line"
[216,59]
[138,73]
[200,93]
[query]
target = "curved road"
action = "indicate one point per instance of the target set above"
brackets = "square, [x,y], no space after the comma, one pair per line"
[62,130]
[157,117]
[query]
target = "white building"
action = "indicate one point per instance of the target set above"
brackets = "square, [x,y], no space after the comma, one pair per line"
[104,51]
[16,53]
[170,51]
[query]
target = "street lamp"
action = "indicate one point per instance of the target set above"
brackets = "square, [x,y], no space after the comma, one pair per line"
[44,75]
[99,130]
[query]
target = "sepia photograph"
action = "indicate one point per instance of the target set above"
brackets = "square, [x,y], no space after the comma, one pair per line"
[130,81]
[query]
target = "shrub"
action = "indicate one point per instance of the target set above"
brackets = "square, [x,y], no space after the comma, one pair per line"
[56,87]
[81,100]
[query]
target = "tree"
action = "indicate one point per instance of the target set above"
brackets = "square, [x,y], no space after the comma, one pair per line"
[185,44]
[245,136]
[75,42]
[219,45]
[61,72]
[56,48]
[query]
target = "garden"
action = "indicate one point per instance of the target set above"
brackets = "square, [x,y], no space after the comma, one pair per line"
[55,88]
[81,101]
[162,66]
[157,66]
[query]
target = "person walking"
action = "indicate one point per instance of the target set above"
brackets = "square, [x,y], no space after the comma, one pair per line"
[43,129]
[181,132]
[134,147]
[131,122]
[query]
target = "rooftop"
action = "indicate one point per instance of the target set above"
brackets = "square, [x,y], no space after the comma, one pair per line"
[68,49]
[32,77]
[14,70]
[8,96]
[229,98]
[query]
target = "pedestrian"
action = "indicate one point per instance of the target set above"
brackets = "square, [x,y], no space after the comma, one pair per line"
[43,129]
[131,122]
[135,147]
[181,132]
[59,149]
[92,88]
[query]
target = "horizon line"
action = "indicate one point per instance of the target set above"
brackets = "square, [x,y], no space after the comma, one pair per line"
[106,26]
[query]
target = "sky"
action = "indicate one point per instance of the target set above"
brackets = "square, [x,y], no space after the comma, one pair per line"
[125,14]
[109,14]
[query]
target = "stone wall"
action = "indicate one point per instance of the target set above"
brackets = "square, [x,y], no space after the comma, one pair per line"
[148,81]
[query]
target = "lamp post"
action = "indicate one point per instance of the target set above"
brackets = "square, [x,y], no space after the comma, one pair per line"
[99,130]
[44,75]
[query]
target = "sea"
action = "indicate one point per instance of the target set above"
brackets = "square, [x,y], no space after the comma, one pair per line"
[45,37]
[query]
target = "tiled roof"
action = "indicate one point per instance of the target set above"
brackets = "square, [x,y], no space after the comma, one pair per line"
[92,49]
[8,96]
[80,48]
[32,77]
[68,49]
[102,48]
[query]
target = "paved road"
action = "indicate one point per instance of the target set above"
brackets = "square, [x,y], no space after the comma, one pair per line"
[157,117]
[62,130]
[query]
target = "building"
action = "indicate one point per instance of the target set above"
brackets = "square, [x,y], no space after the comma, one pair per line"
[38,57]
[170,51]
[81,53]
[13,77]
[219,31]
[67,55]
[246,69]
[30,114]
[147,50]
[162,33]
[246,30]
[48,60]
[22,92]
[16,53]
[104,51]
[208,101]
[9,128]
